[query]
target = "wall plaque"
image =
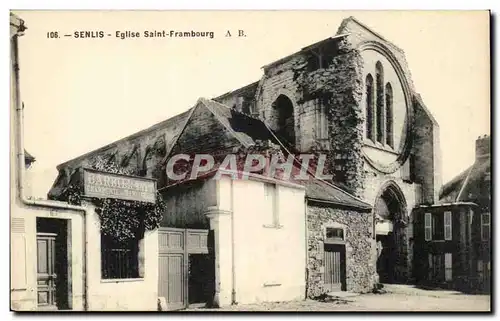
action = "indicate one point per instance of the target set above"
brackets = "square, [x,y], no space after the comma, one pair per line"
[109,185]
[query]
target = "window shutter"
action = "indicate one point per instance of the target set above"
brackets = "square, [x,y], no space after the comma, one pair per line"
[448,267]
[485,226]
[479,265]
[428,226]
[447,226]
[430,266]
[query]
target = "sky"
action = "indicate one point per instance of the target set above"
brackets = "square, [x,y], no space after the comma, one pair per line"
[81,94]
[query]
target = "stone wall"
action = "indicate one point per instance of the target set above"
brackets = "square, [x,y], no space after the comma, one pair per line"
[427,153]
[360,255]
[358,34]
[334,93]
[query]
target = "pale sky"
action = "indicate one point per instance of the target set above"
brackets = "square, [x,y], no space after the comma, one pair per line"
[81,94]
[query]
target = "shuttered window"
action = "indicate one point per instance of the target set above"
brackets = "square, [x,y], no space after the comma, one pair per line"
[448,267]
[447,226]
[485,226]
[428,226]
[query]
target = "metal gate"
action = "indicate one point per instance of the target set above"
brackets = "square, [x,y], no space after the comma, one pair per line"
[174,248]
[334,267]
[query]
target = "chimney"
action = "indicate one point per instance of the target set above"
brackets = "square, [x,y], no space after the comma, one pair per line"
[483,147]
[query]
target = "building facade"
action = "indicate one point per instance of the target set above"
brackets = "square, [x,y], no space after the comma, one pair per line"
[452,237]
[55,248]
[349,97]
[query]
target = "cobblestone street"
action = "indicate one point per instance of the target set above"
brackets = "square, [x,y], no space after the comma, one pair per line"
[398,298]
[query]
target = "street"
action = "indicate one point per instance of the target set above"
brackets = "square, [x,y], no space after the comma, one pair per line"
[398,298]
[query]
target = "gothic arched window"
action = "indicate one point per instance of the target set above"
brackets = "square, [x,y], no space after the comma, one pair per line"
[380,102]
[370,133]
[389,122]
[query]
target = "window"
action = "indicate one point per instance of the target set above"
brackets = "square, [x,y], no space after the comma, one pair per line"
[119,260]
[271,204]
[447,226]
[480,270]
[440,267]
[436,267]
[284,122]
[389,139]
[334,234]
[369,108]
[428,226]
[448,269]
[485,227]
[438,226]
[380,102]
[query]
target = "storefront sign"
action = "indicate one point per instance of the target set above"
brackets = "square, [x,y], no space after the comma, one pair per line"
[107,185]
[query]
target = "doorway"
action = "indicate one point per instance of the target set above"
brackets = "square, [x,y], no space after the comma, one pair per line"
[52,264]
[386,258]
[186,267]
[200,279]
[335,268]
[390,229]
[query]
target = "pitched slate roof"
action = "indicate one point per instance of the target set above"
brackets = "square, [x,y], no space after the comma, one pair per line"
[245,129]
[317,190]
[472,185]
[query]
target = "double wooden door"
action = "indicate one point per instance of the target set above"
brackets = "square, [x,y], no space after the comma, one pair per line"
[176,246]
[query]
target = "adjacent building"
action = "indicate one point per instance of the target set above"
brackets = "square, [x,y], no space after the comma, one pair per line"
[452,237]
[55,248]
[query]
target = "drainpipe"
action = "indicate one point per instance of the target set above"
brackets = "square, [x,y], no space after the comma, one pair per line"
[21,172]
[233,275]
[306,245]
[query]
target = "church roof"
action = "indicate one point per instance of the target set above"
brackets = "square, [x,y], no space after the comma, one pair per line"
[317,190]
[248,130]
[244,128]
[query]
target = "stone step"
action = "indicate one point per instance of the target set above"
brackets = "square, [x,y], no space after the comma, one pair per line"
[342,294]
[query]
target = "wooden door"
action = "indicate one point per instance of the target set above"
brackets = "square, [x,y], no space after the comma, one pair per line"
[174,247]
[46,276]
[334,267]
[172,278]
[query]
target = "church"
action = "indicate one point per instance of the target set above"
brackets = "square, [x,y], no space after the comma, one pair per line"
[349,97]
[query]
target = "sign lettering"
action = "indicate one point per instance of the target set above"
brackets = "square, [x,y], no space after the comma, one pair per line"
[108,185]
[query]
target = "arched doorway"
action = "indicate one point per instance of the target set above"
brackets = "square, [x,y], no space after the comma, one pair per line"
[390,234]
[282,118]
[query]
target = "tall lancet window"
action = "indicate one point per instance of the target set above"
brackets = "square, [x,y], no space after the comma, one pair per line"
[389,115]
[370,133]
[380,102]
